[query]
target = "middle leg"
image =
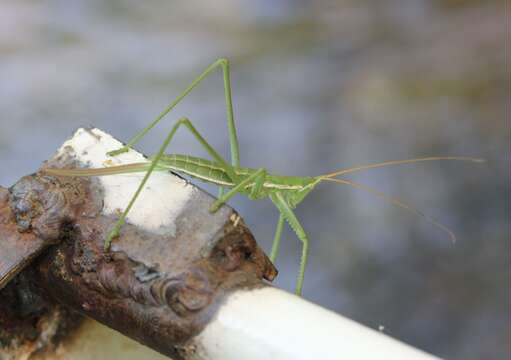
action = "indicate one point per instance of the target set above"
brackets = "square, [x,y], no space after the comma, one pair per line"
[255,178]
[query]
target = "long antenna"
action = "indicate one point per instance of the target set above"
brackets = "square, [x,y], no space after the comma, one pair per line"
[400,162]
[396,202]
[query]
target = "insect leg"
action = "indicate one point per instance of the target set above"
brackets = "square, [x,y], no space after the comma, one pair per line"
[154,161]
[257,186]
[259,175]
[212,152]
[233,138]
[286,211]
[276,239]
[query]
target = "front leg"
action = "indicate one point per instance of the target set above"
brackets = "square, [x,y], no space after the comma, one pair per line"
[287,213]
[276,239]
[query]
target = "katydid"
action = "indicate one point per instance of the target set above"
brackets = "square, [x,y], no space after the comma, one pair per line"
[286,192]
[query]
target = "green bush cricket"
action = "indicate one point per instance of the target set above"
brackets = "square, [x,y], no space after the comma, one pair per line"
[286,192]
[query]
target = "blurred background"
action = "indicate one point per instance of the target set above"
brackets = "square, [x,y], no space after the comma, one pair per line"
[317,86]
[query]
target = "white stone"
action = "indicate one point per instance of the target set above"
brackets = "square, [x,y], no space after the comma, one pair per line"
[158,205]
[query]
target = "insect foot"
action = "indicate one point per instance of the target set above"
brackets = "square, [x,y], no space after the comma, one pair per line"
[214,208]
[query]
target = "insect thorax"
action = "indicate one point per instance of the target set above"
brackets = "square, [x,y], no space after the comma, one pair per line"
[294,188]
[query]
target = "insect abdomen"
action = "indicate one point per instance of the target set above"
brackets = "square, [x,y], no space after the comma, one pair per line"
[196,167]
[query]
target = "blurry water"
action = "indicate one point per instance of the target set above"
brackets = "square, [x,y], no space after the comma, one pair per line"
[317,87]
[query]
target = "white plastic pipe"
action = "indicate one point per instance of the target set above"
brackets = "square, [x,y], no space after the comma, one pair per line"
[270,323]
